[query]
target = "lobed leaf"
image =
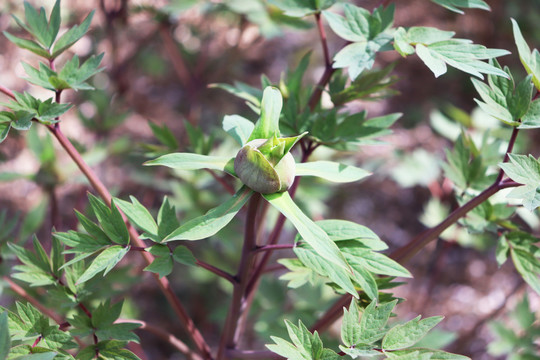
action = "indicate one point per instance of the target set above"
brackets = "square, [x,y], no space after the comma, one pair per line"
[104,262]
[406,335]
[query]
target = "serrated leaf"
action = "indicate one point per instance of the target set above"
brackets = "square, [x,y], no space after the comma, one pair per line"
[374,262]
[238,127]
[373,321]
[331,171]
[189,161]
[268,124]
[309,231]
[528,266]
[408,334]
[38,356]
[531,119]
[4,130]
[104,261]
[524,170]
[214,220]
[122,331]
[350,325]
[138,215]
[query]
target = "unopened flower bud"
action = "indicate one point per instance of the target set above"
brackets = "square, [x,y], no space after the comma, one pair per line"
[259,174]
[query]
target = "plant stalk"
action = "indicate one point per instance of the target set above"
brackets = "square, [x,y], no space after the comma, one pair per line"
[229,336]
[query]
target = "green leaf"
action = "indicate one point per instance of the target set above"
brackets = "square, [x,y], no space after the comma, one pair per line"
[268,124]
[524,170]
[183,255]
[347,230]
[4,130]
[28,45]
[502,250]
[408,334]
[374,262]
[250,94]
[138,215]
[164,135]
[528,266]
[161,265]
[30,107]
[166,218]
[531,119]
[437,49]
[122,332]
[38,356]
[530,61]
[104,261]
[110,220]
[189,161]
[305,345]
[5,341]
[214,220]
[350,326]
[309,231]
[238,127]
[331,171]
[71,36]
[373,321]
[454,5]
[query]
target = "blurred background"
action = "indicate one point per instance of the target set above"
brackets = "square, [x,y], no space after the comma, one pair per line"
[161,57]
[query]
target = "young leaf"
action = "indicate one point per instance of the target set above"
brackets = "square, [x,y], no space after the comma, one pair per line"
[531,119]
[138,215]
[406,335]
[350,327]
[268,124]
[28,45]
[166,219]
[104,261]
[71,36]
[454,5]
[331,171]
[189,161]
[437,49]
[309,231]
[373,321]
[164,135]
[214,220]
[110,220]
[525,170]
[238,127]
[530,61]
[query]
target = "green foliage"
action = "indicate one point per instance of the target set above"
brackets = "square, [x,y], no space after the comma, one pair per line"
[518,341]
[26,107]
[71,76]
[46,31]
[437,49]
[530,60]
[503,100]
[300,8]
[368,33]
[524,170]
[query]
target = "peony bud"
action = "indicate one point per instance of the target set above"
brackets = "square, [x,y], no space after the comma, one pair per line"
[259,173]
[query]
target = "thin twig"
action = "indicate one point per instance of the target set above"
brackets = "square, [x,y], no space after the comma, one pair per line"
[274,247]
[165,335]
[22,293]
[217,271]
[322,35]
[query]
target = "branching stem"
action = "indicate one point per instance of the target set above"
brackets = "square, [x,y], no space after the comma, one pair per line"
[229,336]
